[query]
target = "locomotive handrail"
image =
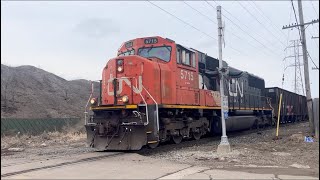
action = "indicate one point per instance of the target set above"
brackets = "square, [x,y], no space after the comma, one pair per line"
[156,106]
[146,109]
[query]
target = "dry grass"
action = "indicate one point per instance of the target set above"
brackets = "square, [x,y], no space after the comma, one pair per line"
[45,139]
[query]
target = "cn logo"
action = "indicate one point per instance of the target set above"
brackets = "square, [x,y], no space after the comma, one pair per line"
[234,85]
[289,110]
[136,89]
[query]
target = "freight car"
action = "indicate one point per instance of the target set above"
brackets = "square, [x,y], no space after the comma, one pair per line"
[156,90]
[293,108]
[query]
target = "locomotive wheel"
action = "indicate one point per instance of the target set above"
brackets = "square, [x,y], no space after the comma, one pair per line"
[196,135]
[177,139]
[153,145]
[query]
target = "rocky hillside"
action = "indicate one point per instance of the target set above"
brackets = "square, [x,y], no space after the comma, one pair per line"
[30,92]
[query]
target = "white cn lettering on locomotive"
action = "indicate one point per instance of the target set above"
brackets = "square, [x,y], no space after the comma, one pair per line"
[136,89]
[234,87]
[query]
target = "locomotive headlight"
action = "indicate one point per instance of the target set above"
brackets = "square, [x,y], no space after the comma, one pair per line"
[120,65]
[125,99]
[120,68]
[93,101]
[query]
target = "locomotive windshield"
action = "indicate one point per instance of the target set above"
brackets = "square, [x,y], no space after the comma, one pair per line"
[163,53]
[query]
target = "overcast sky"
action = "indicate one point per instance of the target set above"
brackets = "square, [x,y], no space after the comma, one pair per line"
[75,39]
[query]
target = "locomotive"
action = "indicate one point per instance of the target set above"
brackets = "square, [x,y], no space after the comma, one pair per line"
[156,90]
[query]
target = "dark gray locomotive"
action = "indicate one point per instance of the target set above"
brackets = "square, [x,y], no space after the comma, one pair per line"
[248,107]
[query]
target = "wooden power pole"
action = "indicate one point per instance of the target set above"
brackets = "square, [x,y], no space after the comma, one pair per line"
[306,66]
[305,60]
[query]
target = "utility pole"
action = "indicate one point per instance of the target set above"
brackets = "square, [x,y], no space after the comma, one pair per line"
[306,66]
[224,146]
[305,60]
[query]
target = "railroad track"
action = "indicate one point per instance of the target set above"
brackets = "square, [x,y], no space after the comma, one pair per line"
[188,143]
[90,159]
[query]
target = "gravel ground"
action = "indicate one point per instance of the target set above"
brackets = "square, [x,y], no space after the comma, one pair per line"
[250,150]
[48,145]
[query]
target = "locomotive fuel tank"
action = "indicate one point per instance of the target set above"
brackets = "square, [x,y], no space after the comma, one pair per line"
[235,123]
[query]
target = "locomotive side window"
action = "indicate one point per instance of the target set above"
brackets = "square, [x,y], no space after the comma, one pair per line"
[186,56]
[187,59]
[193,60]
[183,56]
[178,56]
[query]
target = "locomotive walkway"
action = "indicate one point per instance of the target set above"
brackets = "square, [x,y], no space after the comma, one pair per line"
[125,166]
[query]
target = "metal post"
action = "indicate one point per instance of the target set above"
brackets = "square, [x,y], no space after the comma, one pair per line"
[295,66]
[279,114]
[224,146]
[306,66]
[316,116]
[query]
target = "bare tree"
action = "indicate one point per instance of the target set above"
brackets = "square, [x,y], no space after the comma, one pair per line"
[8,90]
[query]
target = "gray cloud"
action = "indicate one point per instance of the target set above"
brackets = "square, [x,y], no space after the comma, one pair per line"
[96,27]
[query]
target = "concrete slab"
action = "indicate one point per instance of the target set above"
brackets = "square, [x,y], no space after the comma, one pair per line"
[185,172]
[20,165]
[223,174]
[134,166]
[289,177]
[201,176]
[128,166]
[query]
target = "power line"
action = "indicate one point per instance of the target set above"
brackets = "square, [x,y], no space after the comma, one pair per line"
[188,24]
[295,15]
[271,43]
[314,9]
[200,12]
[259,22]
[312,60]
[312,31]
[215,22]
[241,28]
[315,42]
[182,20]
[289,31]
[266,17]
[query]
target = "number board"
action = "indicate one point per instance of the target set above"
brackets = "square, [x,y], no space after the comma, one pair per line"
[151,41]
[129,44]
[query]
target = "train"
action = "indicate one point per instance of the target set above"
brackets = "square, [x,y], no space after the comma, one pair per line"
[156,90]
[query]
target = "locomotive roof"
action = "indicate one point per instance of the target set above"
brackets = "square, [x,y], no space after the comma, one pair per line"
[194,50]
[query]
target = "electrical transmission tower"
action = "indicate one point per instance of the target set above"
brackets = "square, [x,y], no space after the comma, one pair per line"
[298,82]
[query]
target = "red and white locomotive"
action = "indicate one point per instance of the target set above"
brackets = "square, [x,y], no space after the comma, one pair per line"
[156,90]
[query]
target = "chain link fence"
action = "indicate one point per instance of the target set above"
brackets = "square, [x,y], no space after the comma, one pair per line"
[35,126]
